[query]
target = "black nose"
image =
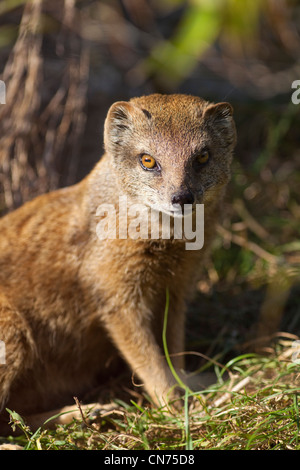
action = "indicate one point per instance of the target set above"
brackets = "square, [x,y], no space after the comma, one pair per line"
[183,197]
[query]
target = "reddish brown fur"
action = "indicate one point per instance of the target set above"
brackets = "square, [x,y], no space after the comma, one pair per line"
[67,297]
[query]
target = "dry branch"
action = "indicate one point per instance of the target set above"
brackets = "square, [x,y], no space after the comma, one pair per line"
[43,121]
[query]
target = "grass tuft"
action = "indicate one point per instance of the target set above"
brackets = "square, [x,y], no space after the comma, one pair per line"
[257,408]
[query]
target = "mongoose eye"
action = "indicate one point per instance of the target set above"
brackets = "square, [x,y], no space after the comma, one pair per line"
[201,159]
[148,162]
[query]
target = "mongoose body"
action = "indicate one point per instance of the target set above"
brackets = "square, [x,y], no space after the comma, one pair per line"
[70,300]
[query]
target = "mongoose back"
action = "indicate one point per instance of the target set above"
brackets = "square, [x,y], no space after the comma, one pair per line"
[69,298]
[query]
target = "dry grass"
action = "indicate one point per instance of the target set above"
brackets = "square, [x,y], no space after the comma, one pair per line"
[43,120]
[256,408]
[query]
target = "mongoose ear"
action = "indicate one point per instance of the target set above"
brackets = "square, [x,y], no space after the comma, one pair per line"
[220,112]
[220,116]
[119,122]
[119,117]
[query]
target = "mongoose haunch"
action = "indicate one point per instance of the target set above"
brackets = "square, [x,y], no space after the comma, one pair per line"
[68,299]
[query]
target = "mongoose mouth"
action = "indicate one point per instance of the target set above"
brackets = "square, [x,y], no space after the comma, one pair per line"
[175,210]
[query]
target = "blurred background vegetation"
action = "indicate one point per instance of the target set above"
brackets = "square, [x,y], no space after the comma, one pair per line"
[65,62]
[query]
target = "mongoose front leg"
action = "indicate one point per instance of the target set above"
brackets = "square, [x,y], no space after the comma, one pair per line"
[131,333]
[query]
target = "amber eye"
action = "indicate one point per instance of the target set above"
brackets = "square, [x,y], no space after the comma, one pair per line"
[203,157]
[148,162]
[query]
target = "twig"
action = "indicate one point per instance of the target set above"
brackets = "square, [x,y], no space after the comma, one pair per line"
[234,389]
[249,220]
[249,245]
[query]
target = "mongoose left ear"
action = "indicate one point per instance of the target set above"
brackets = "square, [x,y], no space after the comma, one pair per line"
[220,112]
[220,116]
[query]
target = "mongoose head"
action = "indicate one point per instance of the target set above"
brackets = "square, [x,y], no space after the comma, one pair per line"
[170,149]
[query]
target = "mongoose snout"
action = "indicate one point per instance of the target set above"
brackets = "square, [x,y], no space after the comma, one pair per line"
[183,197]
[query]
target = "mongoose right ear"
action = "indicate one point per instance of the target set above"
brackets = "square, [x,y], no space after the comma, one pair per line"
[118,122]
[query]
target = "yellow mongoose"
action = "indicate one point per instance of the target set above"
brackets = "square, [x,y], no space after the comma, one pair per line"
[69,298]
